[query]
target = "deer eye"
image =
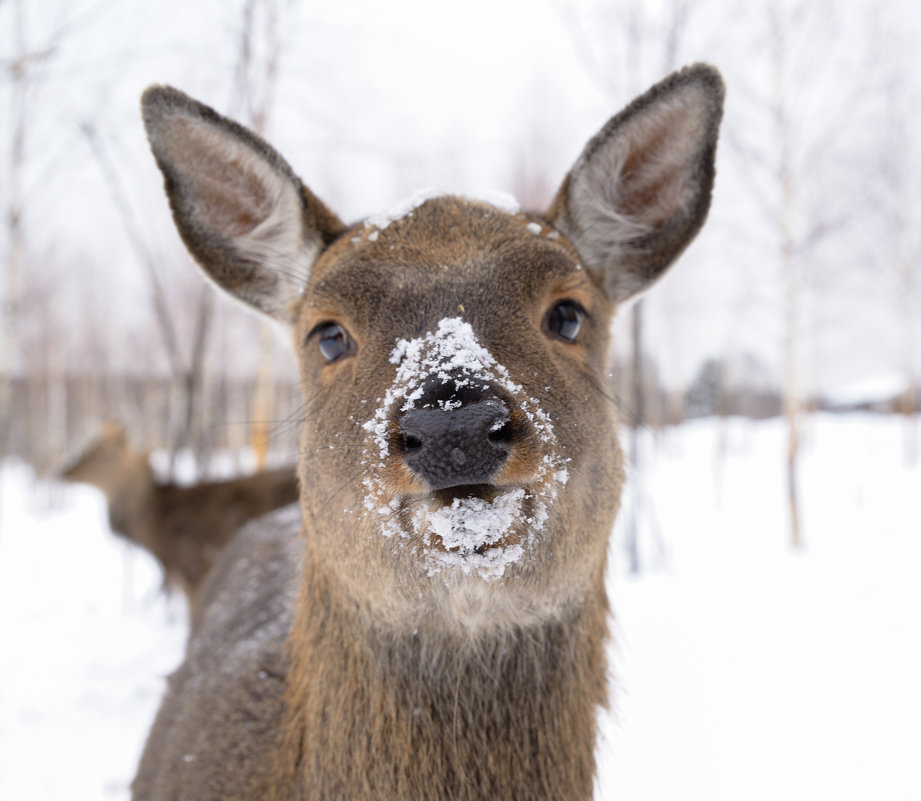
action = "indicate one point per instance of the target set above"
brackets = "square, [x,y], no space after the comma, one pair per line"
[564,321]
[333,341]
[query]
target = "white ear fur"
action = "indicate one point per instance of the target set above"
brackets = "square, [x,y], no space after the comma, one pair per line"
[641,188]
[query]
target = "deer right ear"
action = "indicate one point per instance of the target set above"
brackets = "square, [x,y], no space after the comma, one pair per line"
[240,209]
[640,191]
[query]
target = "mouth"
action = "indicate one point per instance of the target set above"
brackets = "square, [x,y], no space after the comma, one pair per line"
[447,495]
[471,520]
[480,530]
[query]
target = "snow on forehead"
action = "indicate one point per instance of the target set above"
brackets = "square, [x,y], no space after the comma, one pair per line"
[453,346]
[501,200]
[405,208]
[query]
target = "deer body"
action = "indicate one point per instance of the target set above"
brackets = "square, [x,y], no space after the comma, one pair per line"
[185,528]
[436,629]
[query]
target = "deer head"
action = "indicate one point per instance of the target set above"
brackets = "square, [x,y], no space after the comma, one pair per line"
[460,458]
[108,462]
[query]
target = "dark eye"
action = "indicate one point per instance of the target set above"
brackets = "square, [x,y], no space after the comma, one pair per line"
[564,320]
[334,342]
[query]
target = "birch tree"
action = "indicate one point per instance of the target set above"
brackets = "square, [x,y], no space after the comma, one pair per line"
[33,41]
[796,151]
[654,42]
[894,249]
[260,46]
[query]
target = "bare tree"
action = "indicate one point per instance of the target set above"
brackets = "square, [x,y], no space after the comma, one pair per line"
[779,109]
[791,150]
[653,42]
[25,70]
[260,46]
[185,370]
[20,71]
[897,252]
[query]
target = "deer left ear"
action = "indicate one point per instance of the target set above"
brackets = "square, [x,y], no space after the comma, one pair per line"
[640,191]
[244,215]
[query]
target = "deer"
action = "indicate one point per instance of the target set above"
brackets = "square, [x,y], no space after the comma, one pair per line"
[433,624]
[185,528]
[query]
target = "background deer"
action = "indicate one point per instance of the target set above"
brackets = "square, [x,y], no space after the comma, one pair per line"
[437,630]
[184,527]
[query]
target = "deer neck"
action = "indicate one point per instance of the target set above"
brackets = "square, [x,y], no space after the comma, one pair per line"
[130,495]
[421,714]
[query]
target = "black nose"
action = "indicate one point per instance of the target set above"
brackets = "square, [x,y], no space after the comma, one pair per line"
[450,448]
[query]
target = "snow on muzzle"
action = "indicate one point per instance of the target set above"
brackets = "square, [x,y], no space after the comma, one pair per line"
[448,370]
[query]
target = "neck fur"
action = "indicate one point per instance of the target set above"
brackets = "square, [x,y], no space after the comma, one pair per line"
[129,495]
[380,715]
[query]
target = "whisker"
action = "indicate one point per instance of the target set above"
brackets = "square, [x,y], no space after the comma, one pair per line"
[349,480]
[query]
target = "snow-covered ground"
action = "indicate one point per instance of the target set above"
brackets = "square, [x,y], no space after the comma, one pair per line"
[743,670]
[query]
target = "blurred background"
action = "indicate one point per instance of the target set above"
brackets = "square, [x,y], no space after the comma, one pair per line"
[801,293]
[769,385]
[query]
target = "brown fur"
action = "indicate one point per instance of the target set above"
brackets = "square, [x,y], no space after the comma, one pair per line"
[368,659]
[184,527]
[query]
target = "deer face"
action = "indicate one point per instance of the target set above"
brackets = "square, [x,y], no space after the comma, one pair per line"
[453,363]
[459,459]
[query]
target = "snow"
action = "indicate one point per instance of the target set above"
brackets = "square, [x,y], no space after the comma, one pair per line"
[85,643]
[468,526]
[501,200]
[743,669]
[749,671]
[875,388]
[405,208]
[401,210]
[452,354]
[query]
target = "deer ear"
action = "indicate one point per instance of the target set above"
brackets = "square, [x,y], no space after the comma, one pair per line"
[640,191]
[240,209]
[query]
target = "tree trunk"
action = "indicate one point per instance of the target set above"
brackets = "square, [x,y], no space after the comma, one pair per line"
[263,398]
[12,298]
[788,272]
[639,421]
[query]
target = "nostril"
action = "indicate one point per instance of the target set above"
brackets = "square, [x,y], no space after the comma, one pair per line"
[411,443]
[500,433]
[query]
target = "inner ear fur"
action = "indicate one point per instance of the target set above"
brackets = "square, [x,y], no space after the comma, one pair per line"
[640,190]
[240,209]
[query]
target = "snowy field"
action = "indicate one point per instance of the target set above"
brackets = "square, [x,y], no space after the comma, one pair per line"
[743,670]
